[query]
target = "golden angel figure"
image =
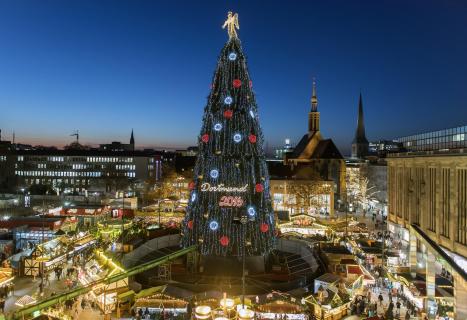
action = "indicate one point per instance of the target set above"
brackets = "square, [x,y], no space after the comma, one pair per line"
[231,23]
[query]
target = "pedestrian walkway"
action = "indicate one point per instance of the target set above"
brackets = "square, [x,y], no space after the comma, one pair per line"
[383,306]
[376,291]
[87,313]
[29,286]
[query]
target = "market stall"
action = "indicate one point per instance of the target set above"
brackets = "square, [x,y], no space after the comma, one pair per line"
[291,308]
[310,230]
[326,280]
[329,304]
[55,253]
[6,282]
[158,303]
[111,229]
[46,256]
[106,294]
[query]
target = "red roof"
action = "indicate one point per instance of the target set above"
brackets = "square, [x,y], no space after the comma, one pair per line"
[348,261]
[354,269]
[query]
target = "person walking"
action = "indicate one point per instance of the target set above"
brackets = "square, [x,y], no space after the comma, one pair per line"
[2,305]
[398,309]
[407,315]
[380,298]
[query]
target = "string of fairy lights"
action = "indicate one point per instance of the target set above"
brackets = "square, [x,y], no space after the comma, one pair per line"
[231,157]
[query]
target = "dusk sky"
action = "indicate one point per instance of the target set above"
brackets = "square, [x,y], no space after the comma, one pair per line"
[105,67]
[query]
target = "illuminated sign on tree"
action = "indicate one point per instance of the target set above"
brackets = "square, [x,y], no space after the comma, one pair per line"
[231,201]
[221,188]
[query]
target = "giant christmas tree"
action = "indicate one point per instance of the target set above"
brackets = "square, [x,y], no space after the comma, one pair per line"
[230,208]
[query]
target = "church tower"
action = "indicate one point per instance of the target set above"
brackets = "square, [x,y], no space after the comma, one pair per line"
[132,141]
[313,115]
[360,143]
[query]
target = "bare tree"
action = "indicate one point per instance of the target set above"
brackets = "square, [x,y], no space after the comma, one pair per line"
[172,185]
[309,195]
[364,193]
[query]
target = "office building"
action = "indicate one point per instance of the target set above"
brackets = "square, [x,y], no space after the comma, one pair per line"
[427,194]
[451,138]
[84,170]
[279,153]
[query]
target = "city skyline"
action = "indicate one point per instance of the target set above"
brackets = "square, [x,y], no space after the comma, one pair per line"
[106,68]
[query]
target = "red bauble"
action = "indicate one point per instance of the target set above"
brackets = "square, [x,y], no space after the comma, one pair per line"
[190,224]
[259,187]
[191,185]
[237,83]
[252,138]
[250,83]
[205,137]
[224,240]
[264,227]
[228,114]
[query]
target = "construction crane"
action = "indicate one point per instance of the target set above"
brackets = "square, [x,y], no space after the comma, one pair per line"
[76,134]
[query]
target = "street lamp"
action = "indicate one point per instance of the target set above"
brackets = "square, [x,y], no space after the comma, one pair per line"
[123,220]
[159,212]
[243,221]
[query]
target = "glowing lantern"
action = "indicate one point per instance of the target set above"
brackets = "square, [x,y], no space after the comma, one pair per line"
[203,312]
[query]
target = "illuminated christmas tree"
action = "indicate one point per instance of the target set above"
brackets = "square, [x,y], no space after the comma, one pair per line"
[230,207]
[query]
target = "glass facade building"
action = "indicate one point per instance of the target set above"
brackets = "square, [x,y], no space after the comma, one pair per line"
[78,171]
[452,138]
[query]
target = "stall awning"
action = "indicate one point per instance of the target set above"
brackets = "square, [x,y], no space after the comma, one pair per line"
[25,300]
[126,296]
[149,291]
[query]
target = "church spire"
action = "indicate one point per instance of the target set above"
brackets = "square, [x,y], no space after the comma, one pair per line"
[132,140]
[360,143]
[314,98]
[313,115]
[360,133]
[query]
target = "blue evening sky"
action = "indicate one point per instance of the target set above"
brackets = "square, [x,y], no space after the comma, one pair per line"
[104,67]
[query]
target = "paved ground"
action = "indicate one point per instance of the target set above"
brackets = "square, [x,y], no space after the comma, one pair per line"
[381,308]
[79,313]
[29,286]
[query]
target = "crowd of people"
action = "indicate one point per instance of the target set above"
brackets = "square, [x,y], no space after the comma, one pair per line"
[145,314]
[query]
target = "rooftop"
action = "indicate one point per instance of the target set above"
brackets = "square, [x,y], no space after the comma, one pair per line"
[329,278]
[336,249]
[435,153]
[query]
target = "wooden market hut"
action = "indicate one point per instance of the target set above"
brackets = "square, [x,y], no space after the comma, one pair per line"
[280,304]
[160,298]
[329,304]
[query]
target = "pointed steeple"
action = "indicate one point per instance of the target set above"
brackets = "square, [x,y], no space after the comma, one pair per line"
[314,98]
[313,115]
[360,142]
[360,132]
[132,139]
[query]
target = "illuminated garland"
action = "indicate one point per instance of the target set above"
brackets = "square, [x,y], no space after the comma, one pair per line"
[231,177]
